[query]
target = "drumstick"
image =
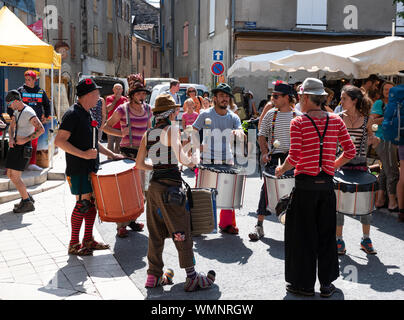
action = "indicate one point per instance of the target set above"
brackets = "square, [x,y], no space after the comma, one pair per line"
[94,124]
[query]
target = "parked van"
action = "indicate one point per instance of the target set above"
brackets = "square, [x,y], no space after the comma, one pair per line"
[182,94]
[152,82]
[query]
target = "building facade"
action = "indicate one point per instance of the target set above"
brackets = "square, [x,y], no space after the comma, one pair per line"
[240,28]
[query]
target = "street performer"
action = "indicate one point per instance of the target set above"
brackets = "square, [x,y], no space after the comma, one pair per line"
[77,139]
[218,152]
[167,215]
[311,219]
[275,126]
[134,119]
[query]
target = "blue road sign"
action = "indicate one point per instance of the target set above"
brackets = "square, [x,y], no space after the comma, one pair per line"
[217,68]
[218,55]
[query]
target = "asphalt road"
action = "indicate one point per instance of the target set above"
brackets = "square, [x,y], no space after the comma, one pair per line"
[248,270]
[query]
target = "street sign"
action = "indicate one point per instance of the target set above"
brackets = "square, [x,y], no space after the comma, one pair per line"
[218,55]
[217,68]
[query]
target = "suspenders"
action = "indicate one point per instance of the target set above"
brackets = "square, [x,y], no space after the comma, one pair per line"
[321,137]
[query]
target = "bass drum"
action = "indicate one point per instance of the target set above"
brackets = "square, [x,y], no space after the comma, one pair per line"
[118,191]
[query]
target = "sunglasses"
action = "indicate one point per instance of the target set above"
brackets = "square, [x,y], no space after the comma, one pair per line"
[192,91]
[276,96]
[9,103]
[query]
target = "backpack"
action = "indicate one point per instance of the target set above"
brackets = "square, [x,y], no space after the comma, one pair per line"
[393,123]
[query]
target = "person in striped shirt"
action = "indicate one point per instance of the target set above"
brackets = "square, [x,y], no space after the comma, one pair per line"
[311,220]
[357,108]
[274,126]
[134,118]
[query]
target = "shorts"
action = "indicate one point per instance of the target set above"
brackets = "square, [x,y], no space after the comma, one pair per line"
[80,184]
[364,219]
[15,158]
[401,152]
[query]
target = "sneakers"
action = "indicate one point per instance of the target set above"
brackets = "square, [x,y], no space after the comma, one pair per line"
[366,245]
[122,232]
[154,282]
[327,291]
[24,206]
[34,167]
[30,198]
[200,281]
[229,229]
[300,291]
[135,226]
[341,247]
[257,234]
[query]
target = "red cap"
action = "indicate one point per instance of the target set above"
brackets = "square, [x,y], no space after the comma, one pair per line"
[31,74]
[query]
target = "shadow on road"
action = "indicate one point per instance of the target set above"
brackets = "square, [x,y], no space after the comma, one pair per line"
[227,249]
[12,221]
[374,273]
[131,251]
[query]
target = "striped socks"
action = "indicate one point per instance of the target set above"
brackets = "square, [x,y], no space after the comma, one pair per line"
[76,220]
[191,273]
[89,218]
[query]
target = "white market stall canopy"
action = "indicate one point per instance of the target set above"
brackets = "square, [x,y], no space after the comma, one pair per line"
[358,60]
[257,65]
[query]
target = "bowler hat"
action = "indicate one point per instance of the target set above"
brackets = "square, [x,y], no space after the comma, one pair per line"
[164,102]
[86,86]
[223,87]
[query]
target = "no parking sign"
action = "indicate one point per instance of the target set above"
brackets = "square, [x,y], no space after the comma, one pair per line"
[217,68]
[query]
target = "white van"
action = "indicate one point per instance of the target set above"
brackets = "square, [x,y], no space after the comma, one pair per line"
[164,88]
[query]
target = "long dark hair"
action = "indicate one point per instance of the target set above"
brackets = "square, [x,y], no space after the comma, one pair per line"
[363,103]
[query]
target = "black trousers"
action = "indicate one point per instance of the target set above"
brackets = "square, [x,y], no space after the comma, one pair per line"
[310,226]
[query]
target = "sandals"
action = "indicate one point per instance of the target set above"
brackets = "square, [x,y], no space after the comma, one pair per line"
[94,245]
[78,250]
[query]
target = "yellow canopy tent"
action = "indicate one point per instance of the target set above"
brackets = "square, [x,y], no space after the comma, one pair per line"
[20,47]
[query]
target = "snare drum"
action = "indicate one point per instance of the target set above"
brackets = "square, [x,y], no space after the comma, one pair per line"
[227,180]
[118,191]
[355,192]
[276,188]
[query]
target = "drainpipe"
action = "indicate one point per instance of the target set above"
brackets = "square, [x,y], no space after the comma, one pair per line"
[172,38]
[199,41]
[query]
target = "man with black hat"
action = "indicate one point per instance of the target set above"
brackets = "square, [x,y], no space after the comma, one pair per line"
[219,118]
[76,138]
[25,127]
[274,141]
[134,119]
[310,218]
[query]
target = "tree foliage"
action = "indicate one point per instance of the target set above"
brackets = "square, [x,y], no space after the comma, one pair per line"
[401,13]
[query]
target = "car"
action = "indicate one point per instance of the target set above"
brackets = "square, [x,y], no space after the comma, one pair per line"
[163,88]
[107,83]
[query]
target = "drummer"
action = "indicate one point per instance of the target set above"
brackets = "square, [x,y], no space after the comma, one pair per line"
[139,114]
[310,219]
[275,127]
[223,122]
[357,108]
[77,138]
[168,218]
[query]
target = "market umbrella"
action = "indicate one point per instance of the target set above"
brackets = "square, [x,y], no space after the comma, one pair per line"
[355,60]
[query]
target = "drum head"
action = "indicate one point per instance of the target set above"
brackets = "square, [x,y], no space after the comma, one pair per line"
[270,172]
[220,168]
[354,180]
[112,167]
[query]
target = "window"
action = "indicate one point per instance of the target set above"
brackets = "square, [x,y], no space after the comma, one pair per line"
[312,14]
[95,41]
[155,56]
[399,20]
[212,17]
[110,40]
[186,29]
[95,5]
[73,41]
[109,9]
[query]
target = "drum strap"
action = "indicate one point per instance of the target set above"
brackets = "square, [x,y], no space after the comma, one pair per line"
[273,125]
[321,137]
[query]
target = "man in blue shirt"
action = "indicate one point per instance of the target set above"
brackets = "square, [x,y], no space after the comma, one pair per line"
[222,124]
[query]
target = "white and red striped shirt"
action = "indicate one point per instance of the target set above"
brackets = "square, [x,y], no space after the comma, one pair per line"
[304,153]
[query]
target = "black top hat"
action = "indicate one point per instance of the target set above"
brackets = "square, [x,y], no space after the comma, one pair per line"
[86,86]
[223,87]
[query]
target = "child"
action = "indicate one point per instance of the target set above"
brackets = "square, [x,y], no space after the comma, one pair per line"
[189,117]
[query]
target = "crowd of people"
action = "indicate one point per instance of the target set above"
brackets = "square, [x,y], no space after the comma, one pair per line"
[313,140]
